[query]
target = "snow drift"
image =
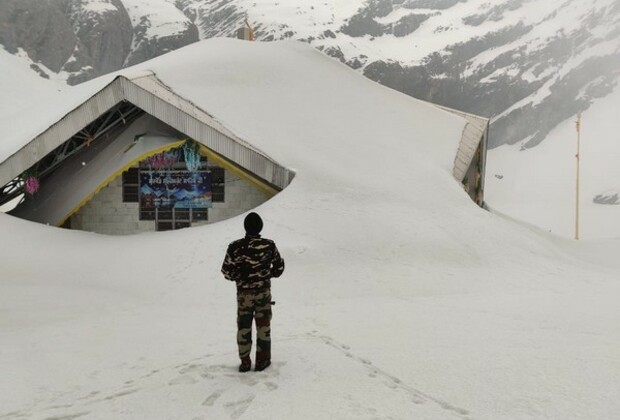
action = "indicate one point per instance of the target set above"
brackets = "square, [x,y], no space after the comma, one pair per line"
[401,297]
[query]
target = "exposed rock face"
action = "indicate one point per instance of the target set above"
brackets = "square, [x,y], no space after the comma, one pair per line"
[508,85]
[528,64]
[38,27]
[366,22]
[490,89]
[104,33]
[147,48]
[157,29]
[83,39]
[215,18]
[607,199]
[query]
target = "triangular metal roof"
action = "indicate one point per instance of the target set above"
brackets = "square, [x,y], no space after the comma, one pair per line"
[148,93]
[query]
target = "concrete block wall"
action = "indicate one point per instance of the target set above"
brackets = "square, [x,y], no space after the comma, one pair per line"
[240,196]
[106,213]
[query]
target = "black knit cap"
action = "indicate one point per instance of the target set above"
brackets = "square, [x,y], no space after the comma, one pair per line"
[253,224]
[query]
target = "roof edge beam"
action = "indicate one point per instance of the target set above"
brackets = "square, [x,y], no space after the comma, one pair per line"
[59,132]
[149,94]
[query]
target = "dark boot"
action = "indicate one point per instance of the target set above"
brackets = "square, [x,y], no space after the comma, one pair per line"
[262,365]
[246,364]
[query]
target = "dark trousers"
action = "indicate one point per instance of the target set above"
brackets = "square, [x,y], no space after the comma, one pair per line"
[254,306]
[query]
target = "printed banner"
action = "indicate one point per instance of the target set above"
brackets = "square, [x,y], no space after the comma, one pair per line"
[167,189]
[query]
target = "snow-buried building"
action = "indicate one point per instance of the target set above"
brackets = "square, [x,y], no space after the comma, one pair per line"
[179,140]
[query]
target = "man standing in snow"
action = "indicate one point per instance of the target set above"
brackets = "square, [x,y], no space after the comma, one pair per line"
[251,262]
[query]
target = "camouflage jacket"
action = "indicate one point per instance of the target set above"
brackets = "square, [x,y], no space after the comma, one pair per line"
[251,262]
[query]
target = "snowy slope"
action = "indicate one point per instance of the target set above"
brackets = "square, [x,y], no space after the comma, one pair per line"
[538,185]
[531,64]
[272,20]
[40,110]
[400,298]
[20,90]
[158,27]
[163,19]
[19,86]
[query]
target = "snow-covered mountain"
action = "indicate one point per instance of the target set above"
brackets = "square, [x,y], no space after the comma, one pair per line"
[530,64]
[83,39]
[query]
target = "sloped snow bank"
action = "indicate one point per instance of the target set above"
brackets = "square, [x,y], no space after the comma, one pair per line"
[538,185]
[400,298]
[412,315]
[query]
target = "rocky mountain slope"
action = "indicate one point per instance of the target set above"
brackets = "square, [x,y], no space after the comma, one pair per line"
[529,64]
[78,40]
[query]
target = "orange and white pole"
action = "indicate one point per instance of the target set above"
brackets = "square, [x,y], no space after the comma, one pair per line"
[250,29]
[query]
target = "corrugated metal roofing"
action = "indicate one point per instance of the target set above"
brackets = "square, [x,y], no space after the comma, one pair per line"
[151,95]
[474,134]
[148,93]
[61,131]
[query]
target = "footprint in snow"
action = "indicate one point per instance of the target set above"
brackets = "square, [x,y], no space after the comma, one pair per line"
[211,399]
[239,407]
[92,394]
[120,394]
[183,380]
[67,416]
[271,386]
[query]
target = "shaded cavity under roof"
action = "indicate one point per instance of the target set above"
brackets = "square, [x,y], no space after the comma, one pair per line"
[76,182]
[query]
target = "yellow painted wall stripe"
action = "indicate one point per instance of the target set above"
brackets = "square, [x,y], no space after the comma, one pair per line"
[205,151]
[230,167]
[117,173]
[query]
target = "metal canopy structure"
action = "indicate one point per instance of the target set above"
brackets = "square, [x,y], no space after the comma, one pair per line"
[81,177]
[121,114]
[118,103]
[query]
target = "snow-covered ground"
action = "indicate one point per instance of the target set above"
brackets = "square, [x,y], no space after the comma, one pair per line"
[538,185]
[407,315]
[401,299]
